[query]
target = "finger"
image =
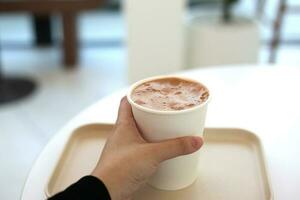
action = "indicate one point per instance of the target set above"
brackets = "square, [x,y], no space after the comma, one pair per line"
[125,112]
[176,147]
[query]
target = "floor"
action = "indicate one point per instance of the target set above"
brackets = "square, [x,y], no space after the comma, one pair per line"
[26,126]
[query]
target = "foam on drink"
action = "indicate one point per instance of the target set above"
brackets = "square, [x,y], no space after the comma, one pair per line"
[167,94]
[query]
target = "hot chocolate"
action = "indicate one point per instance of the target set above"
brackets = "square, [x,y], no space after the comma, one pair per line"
[169,94]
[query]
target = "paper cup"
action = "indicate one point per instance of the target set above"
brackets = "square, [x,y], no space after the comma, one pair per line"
[158,125]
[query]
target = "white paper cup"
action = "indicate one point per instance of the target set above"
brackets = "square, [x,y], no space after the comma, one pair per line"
[158,125]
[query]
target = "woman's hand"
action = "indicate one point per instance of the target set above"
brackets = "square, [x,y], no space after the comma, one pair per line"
[127,160]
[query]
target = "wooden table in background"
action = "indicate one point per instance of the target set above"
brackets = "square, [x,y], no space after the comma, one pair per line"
[68,10]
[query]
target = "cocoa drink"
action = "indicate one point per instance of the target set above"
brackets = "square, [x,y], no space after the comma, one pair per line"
[170,94]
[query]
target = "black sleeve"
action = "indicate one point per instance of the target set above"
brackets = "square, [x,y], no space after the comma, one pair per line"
[87,188]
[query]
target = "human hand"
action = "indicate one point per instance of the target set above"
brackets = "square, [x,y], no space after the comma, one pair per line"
[127,160]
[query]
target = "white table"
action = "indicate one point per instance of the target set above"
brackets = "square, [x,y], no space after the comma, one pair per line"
[263,99]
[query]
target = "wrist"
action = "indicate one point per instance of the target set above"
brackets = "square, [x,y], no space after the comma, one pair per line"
[106,180]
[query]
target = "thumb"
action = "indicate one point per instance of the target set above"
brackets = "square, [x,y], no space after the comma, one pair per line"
[176,147]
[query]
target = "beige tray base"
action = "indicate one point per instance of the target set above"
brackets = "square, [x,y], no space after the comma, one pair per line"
[231,166]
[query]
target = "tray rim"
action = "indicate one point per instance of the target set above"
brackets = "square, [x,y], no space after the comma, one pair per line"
[245,131]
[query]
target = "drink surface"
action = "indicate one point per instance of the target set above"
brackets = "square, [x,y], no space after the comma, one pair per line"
[169,94]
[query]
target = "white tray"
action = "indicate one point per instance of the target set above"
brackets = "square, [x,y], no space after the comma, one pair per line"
[232,166]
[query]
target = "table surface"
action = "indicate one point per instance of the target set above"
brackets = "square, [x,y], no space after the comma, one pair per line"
[262,99]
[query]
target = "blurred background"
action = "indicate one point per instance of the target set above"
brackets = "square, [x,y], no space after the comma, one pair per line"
[58,57]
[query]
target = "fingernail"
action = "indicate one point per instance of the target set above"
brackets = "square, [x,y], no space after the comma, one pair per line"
[197,142]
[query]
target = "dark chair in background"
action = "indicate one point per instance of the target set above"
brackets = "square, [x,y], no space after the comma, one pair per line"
[283,8]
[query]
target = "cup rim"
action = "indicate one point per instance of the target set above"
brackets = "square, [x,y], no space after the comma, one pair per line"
[163,112]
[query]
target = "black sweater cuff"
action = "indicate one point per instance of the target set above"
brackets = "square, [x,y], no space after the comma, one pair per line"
[87,188]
